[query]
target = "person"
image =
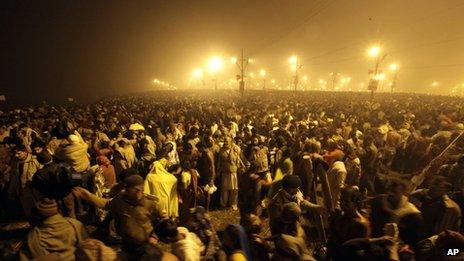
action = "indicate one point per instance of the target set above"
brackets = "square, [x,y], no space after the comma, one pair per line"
[439,211]
[163,185]
[289,193]
[108,171]
[454,173]
[19,189]
[54,181]
[353,168]
[74,153]
[336,176]
[207,170]
[348,222]
[53,237]
[229,164]
[200,223]
[235,243]
[259,247]
[185,244]
[134,213]
[394,207]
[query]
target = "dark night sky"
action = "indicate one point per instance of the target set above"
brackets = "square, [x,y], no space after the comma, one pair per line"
[56,49]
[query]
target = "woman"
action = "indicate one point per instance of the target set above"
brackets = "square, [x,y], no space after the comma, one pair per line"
[162,184]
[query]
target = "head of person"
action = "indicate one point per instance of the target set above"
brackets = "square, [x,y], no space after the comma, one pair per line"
[21,152]
[44,158]
[438,187]
[396,189]
[291,213]
[461,161]
[134,187]
[255,141]
[166,230]
[252,224]
[351,199]
[233,238]
[37,147]
[291,184]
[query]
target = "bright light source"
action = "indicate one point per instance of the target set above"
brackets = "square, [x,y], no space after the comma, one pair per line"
[252,75]
[262,72]
[293,60]
[233,60]
[293,67]
[321,81]
[251,60]
[273,81]
[393,67]
[380,77]
[215,64]
[374,51]
[197,73]
[434,84]
[305,78]
[156,81]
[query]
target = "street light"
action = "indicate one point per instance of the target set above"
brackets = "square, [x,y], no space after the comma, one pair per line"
[294,66]
[262,72]
[394,68]
[197,73]
[374,51]
[214,65]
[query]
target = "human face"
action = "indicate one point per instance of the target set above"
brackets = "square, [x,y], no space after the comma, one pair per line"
[135,192]
[21,155]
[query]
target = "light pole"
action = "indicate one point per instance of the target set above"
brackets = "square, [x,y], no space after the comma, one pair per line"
[334,79]
[241,64]
[295,66]
[214,65]
[375,52]
[262,72]
[394,68]
[198,74]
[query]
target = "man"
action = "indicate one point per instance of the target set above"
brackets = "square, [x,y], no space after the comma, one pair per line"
[454,173]
[439,212]
[23,168]
[53,181]
[229,164]
[394,207]
[288,193]
[336,176]
[207,170]
[54,237]
[75,153]
[134,213]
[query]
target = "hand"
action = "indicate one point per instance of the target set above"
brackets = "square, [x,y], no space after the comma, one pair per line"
[80,192]
[383,240]
[153,241]
[321,210]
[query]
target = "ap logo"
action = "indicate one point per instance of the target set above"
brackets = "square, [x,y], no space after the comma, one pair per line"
[452,252]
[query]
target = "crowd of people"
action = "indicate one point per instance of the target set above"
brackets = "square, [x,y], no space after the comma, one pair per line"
[312,176]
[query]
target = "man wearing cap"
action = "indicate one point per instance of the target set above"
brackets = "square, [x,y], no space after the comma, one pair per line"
[134,213]
[54,237]
[289,193]
[52,181]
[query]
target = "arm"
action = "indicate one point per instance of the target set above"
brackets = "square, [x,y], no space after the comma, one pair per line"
[89,197]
